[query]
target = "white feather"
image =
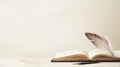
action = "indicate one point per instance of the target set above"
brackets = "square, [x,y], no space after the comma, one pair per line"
[100,42]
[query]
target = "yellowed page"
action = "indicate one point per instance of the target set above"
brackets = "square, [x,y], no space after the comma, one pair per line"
[73,55]
[117,54]
[69,53]
[99,52]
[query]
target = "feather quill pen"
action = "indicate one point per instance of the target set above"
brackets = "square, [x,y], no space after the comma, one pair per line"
[100,42]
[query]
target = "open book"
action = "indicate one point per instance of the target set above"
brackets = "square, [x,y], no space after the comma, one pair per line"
[81,56]
[102,53]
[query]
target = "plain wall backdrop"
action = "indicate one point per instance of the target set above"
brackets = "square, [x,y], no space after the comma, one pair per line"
[34,28]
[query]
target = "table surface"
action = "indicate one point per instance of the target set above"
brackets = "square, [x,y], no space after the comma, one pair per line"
[45,62]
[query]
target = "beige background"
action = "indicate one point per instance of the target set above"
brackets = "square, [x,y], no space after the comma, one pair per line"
[34,28]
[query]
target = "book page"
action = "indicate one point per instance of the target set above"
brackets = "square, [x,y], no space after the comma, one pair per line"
[73,55]
[99,52]
[117,53]
[69,53]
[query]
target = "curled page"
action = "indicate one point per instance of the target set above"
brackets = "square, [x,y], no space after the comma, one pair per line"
[99,42]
